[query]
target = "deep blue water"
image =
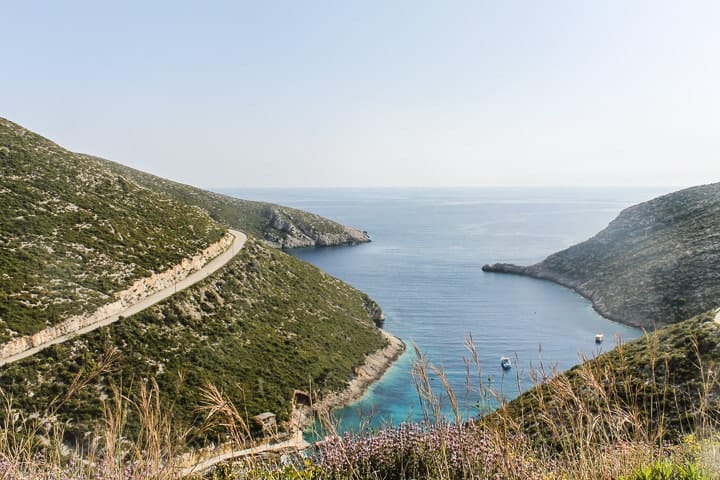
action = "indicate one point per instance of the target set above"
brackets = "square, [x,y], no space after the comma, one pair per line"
[423,268]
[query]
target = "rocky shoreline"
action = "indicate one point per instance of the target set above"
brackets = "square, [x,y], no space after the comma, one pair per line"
[291,232]
[534,271]
[657,263]
[374,367]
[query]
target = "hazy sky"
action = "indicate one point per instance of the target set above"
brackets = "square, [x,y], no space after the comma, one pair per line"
[374,93]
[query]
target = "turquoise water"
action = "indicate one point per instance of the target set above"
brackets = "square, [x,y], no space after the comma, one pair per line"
[423,268]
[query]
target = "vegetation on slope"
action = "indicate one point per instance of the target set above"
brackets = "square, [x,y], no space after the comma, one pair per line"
[73,232]
[278,225]
[75,229]
[647,410]
[590,427]
[268,325]
[657,263]
[666,383]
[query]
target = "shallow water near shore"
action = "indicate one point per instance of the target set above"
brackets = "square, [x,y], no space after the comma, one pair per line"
[424,268]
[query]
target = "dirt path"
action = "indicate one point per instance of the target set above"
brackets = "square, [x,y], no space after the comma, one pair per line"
[295,443]
[211,267]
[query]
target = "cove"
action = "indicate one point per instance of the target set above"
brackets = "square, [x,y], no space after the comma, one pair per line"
[424,268]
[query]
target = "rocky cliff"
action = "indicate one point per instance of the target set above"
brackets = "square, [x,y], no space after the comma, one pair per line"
[657,263]
[291,229]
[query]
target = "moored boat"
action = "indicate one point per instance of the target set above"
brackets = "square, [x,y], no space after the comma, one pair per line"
[505,363]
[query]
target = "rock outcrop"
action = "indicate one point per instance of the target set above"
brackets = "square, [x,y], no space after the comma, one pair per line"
[375,311]
[293,231]
[657,263]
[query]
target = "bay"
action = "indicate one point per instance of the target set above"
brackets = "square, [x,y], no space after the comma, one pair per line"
[423,267]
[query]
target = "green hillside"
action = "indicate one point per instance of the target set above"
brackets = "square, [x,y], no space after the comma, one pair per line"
[665,383]
[75,230]
[268,325]
[657,263]
[280,226]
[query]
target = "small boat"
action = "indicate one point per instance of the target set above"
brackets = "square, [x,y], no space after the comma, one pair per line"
[599,338]
[505,363]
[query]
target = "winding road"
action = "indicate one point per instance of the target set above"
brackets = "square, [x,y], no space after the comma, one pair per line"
[208,269]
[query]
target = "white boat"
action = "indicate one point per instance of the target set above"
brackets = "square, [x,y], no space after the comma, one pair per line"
[599,338]
[505,363]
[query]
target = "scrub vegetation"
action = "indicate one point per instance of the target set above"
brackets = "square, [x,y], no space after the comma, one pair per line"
[268,325]
[72,232]
[657,263]
[612,418]
[647,410]
[278,225]
[130,400]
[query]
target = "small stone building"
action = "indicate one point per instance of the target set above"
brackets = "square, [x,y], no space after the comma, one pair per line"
[267,421]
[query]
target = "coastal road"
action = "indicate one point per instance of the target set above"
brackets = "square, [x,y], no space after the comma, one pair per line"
[211,267]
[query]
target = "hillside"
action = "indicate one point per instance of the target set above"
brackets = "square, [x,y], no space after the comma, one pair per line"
[657,263]
[278,225]
[665,383]
[76,230]
[73,232]
[268,325]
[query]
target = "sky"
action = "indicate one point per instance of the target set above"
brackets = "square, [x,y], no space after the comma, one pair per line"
[344,93]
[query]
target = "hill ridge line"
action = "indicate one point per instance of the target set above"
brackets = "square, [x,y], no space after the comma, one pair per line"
[132,300]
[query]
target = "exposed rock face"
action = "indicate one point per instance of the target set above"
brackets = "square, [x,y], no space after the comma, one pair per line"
[293,231]
[657,263]
[375,311]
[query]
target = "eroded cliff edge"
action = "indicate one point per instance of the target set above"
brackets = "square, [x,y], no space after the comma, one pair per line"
[657,263]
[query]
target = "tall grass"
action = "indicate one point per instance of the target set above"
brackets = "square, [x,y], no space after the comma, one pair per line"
[605,419]
[35,447]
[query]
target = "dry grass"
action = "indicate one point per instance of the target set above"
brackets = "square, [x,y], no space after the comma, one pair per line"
[590,425]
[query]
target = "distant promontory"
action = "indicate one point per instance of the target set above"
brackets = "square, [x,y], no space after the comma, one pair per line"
[657,263]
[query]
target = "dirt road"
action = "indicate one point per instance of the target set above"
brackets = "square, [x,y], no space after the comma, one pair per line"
[211,267]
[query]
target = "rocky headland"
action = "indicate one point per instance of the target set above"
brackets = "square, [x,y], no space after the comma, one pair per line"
[657,263]
[293,232]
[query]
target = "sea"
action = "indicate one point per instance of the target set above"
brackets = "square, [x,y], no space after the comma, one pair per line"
[423,267]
